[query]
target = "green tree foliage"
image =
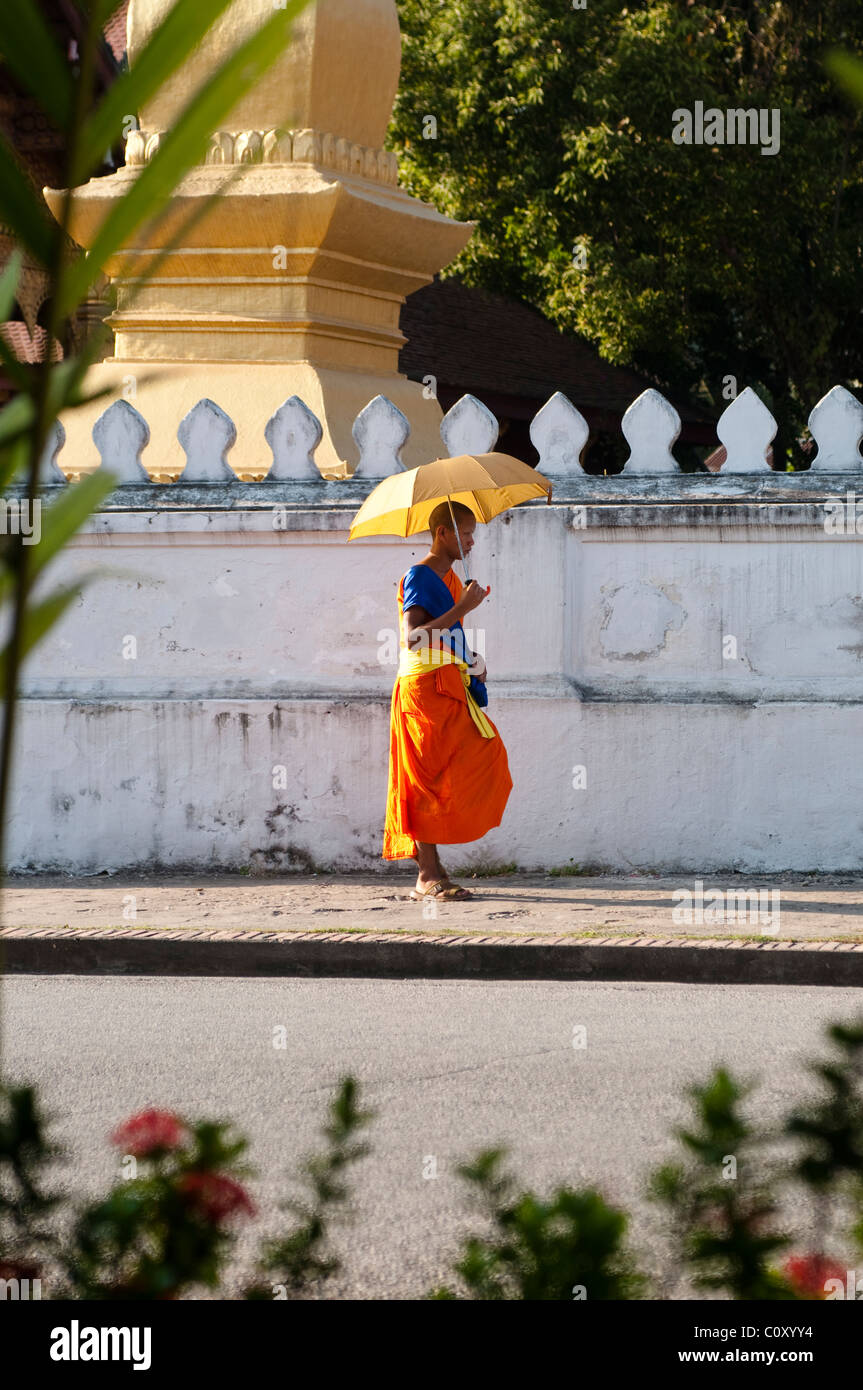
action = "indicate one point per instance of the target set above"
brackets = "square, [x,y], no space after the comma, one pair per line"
[554,131]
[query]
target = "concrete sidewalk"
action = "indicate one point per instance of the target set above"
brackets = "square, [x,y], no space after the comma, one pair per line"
[519,925]
[824,908]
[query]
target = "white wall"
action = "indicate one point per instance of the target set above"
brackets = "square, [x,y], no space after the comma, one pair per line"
[259,647]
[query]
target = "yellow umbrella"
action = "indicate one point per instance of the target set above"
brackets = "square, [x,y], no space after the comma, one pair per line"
[487,483]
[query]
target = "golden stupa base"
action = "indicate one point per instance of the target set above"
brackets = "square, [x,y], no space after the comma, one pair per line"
[250,393]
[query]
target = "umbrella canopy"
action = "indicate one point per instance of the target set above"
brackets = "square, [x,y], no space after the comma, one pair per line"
[487,483]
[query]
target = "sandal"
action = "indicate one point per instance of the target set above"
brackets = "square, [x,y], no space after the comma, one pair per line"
[443,888]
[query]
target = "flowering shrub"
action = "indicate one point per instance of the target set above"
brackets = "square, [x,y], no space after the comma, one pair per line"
[215,1198]
[724,1214]
[166,1228]
[808,1274]
[149,1133]
[722,1203]
[567,1247]
[171,1224]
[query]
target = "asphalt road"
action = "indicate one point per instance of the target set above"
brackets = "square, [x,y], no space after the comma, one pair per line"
[450,1067]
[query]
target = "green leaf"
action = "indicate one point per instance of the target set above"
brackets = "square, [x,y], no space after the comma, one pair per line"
[181,149]
[22,210]
[30,52]
[58,523]
[18,416]
[64,387]
[9,284]
[67,377]
[39,620]
[847,70]
[15,419]
[67,515]
[12,459]
[99,11]
[18,371]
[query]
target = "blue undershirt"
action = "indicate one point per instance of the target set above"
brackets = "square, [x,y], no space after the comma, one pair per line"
[425,589]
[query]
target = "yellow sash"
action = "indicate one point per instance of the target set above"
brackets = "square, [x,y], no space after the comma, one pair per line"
[416,663]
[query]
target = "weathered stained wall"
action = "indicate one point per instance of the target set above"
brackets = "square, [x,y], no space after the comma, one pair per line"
[607,642]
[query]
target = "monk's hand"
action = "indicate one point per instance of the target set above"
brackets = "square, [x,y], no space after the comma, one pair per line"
[472,596]
[479,669]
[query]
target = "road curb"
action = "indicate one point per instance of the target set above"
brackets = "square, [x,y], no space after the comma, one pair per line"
[46,951]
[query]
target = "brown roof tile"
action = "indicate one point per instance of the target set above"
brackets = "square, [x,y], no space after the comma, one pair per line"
[478,341]
[27,347]
[115,31]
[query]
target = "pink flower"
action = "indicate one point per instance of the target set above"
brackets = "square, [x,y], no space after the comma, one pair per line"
[149,1132]
[808,1274]
[216,1197]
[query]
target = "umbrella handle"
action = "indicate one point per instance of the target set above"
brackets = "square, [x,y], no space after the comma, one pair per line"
[458,538]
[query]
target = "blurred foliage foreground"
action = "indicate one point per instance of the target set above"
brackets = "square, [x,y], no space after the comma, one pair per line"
[167,1228]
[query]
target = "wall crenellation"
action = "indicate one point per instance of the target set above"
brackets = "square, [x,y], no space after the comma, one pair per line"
[558,431]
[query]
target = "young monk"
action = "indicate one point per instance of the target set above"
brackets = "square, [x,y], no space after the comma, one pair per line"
[449,778]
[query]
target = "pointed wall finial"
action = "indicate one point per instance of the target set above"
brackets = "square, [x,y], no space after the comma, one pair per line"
[380,432]
[650,427]
[206,434]
[469,428]
[747,430]
[293,433]
[49,472]
[559,432]
[836,424]
[121,435]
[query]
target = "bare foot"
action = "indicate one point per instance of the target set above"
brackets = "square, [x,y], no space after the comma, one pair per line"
[431,870]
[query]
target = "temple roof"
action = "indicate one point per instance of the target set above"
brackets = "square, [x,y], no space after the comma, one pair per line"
[480,342]
[115,31]
[26,346]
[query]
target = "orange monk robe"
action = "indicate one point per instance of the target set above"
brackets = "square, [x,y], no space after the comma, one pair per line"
[447,783]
